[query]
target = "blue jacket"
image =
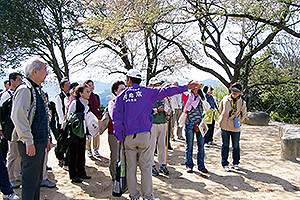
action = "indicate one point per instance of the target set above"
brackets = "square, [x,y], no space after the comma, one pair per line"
[133,107]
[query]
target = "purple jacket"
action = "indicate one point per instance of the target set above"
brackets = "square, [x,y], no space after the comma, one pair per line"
[133,107]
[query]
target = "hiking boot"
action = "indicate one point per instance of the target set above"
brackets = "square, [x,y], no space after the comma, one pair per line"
[236,167]
[90,154]
[203,170]
[97,154]
[226,168]
[154,171]
[47,183]
[163,169]
[15,184]
[11,196]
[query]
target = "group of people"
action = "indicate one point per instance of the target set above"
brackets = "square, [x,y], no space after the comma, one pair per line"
[144,118]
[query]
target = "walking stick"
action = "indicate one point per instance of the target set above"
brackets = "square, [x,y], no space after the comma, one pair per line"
[167,139]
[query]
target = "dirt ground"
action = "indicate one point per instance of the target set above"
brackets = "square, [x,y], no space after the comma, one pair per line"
[264,175]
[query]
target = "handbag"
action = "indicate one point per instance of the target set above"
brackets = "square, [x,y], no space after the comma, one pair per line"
[103,123]
[92,123]
[120,184]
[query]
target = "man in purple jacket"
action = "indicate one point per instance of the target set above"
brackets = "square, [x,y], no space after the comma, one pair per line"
[132,122]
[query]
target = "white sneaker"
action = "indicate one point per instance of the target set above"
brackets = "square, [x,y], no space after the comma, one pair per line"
[89,153]
[11,196]
[226,168]
[236,167]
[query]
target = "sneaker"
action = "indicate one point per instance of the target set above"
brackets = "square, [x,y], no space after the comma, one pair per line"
[66,168]
[212,143]
[15,184]
[236,167]
[97,154]
[76,180]
[189,170]
[47,183]
[154,171]
[206,145]
[90,154]
[61,163]
[203,170]
[181,138]
[226,168]
[11,196]
[163,169]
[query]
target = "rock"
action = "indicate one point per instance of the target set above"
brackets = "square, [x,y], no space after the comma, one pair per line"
[257,118]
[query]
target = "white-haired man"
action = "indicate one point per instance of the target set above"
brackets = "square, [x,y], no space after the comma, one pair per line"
[30,116]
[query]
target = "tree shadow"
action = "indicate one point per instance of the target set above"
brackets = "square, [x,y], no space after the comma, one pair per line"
[232,182]
[99,186]
[267,178]
[181,184]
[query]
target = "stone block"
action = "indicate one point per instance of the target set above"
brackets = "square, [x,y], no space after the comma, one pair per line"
[257,118]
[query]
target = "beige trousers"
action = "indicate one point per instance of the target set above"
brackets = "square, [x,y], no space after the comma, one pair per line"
[113,145]
[137,150]
[158,134]
[174,123]
[96,143]
[45,176]
[13,162]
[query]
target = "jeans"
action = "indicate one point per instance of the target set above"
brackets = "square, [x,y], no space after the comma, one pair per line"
[189,134]
[235,137]
[5,186]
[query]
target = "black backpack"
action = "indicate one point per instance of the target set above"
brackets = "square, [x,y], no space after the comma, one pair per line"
[6,122]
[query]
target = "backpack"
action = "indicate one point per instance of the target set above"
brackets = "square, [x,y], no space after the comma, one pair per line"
[6,122]
[75,121]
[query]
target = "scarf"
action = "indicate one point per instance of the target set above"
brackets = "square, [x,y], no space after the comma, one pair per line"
[192,102]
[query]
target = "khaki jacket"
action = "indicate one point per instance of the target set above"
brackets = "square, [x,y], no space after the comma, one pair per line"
[227,123]
[23,111]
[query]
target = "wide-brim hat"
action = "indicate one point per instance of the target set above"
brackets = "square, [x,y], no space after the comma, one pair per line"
[134,74]
[154,81]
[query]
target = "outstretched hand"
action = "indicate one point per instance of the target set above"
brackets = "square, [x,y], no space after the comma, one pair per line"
[192,85]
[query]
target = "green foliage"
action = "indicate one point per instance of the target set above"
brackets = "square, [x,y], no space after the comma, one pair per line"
[274,84]
[219,92]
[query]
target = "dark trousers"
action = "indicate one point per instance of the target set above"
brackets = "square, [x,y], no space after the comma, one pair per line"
[32,171]
[5,185]
[77,158]
[62,147]
[4,149]
[210,133]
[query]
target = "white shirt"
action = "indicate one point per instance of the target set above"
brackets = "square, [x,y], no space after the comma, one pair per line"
[59,108]
[176,101]
[110,107]
[6,95]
